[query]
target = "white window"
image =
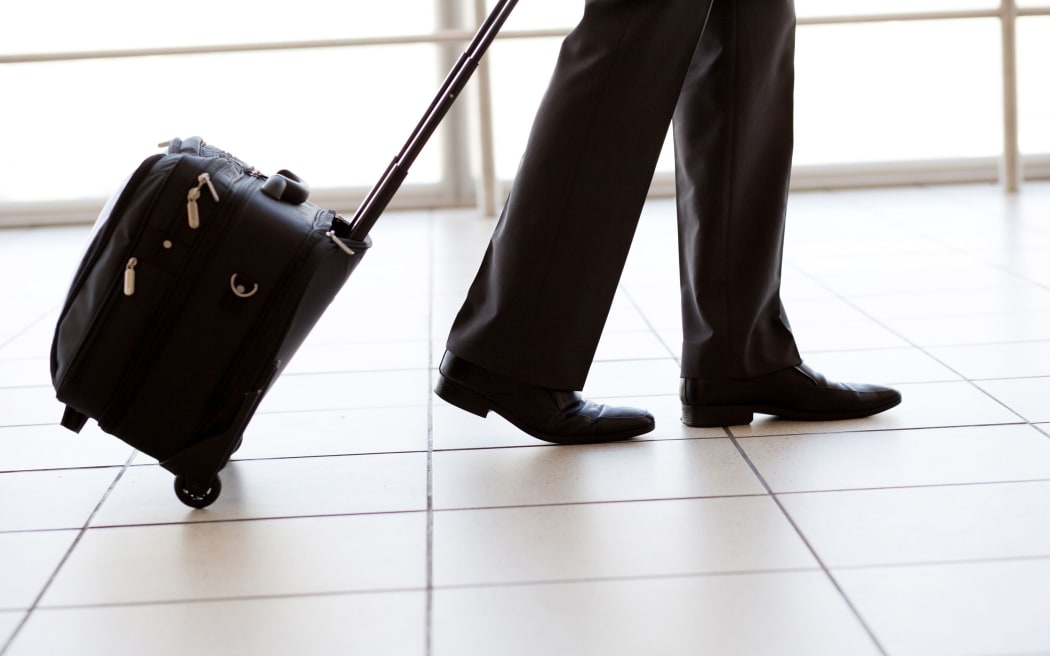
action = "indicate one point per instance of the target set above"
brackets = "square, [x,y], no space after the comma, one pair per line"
[887,91]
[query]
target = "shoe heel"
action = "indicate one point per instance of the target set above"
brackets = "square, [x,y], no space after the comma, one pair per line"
[461,397]
[709,416]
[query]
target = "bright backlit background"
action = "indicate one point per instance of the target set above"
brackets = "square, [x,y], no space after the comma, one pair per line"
[866,92]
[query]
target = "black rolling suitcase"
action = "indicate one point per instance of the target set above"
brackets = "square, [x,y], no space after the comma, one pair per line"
[201,280]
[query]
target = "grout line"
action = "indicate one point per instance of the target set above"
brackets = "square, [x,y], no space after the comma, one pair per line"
[649,324]
[265,518]
[428,629]
[454,586]
[950,563]
[959,250]
[459,509]
[847,430]
[973,255]
[32,324]
[915,486]
[604,502]
[812,550]
[431,512]
[244,598]
[971,381]
[65,558]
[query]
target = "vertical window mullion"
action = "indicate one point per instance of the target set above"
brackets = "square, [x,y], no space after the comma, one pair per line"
[1010,170]
[486,179]
[456,174]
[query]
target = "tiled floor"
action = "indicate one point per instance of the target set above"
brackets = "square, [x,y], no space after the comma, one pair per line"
[365,516]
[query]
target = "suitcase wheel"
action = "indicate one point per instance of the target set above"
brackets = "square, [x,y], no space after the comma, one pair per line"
[195,494]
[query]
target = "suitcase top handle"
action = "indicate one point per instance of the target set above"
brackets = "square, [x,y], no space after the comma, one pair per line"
[287,187]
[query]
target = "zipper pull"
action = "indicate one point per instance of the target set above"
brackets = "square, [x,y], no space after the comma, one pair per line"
[129,277]
[193,214]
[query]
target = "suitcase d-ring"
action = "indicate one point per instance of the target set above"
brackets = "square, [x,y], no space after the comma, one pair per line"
[240,290]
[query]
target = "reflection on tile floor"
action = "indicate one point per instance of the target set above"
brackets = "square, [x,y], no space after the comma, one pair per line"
[364,515]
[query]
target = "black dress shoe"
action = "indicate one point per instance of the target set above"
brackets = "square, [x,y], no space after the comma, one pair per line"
[546,414]
[794,393]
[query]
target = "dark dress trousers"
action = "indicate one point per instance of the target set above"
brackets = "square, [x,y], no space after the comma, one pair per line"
[723,72]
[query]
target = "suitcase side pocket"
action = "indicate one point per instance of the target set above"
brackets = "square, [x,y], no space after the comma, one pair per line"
[132,300]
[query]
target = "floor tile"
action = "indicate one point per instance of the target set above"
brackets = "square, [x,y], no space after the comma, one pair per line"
[372,389]
[25,372]
[624,316]
[614,540]
[829,264]
[981,329]
[1014,360]
[9,621]
[27,561]
[939,456]
[53,447]
[1022,297]
[276,488]
[881,366]
[381,289]
[657,301]
[815,335]
[338,432]
[223,560]
[1025,396]
[336,358]
[26,313]
[376,623]
[638,345]
[670,469]
[925,405]
[926,524]
[973,608]
[966,276]
[798,286]
[930,515]
[335,328]
[633,378]
[670,333]
[457,429]
[27,406]
[33,340]
[799,613]
[1029,264]
[829,312]
[41,500]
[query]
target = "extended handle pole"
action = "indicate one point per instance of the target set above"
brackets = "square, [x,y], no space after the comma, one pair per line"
[381,194]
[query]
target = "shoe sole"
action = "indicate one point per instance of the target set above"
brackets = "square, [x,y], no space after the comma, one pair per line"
[474,403]
[712,416]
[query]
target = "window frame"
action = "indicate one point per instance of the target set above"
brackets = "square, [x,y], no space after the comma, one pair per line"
[469,177]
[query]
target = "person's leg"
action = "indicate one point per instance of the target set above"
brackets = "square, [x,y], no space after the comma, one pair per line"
[541,297]
[733,146]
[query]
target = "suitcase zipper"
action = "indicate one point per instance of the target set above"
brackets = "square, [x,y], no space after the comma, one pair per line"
[137,364]
[129,276]
[90,260]
[102,237]
[193,213]
[194,220]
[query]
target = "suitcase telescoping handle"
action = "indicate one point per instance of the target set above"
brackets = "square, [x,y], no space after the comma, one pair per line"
[381,194]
